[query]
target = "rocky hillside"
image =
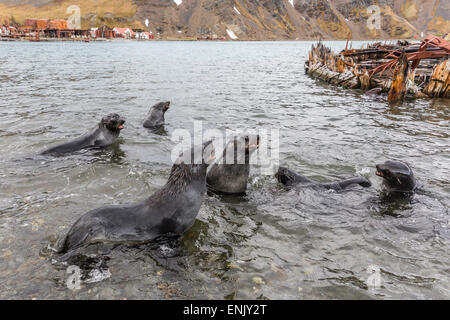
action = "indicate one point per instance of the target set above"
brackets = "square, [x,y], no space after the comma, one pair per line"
[251,19]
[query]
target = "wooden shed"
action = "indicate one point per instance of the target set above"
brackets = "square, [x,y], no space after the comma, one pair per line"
[59,24]
[37,23]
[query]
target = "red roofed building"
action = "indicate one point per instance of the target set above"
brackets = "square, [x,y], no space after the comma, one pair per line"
[144,35]
[40,24]
[126,33]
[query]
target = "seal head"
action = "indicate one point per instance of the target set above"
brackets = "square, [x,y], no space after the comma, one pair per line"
[397,176]
[113,122]
[287,177]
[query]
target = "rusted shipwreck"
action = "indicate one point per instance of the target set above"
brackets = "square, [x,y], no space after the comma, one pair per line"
[399,69]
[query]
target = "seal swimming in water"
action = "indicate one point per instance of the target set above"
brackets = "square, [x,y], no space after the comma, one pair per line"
[105,134]
[232,178]
[290,178]
[374,92]
[171,210]
[155,117]
[397,176]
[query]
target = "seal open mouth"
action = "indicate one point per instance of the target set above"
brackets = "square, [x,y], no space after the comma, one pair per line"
[166,106]
[380,171]
[113,122]
[387,174]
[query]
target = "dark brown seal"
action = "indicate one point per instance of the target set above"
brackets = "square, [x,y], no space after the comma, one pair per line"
[105,134]
[171,210]
[155,118]
[232,178]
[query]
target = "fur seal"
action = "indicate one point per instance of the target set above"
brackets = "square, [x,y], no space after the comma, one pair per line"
[397,176]
[155,117]
[374,92]
[232,178]
[290,178]
[169,211]
[105,134]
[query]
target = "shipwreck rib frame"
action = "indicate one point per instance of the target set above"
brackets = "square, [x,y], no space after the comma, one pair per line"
[414,69]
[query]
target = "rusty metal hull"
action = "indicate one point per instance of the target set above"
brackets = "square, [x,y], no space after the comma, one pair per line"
[404,69]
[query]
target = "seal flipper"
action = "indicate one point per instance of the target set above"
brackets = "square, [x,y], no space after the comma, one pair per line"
[77,238]
[341,185]
[291,178]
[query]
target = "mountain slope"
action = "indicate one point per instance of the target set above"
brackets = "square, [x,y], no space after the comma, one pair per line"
[250,19]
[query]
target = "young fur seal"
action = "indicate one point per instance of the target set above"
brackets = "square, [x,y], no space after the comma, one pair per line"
[374,92]
[171,210]
[155,117]
[397,176]
[290,178]
[232,178]
[105,134]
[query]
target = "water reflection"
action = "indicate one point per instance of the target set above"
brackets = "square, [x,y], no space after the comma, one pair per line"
[161,130]
[112,154]
[393,204]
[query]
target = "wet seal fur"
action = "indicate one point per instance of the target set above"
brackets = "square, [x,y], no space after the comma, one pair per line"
[155,117]
[169,211]
[374,92]
[397,176]
[290,178]
[232,178]
[105,134]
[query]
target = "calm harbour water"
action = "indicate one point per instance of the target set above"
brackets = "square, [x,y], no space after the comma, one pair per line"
[272,243]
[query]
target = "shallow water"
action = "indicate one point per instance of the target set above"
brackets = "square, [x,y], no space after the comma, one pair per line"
[272,243]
